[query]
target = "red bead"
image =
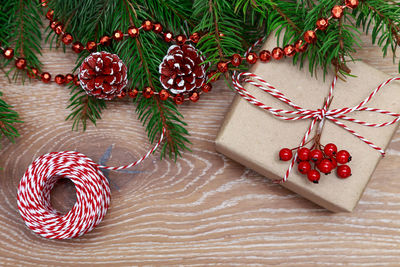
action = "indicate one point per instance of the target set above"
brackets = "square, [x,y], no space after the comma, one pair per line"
[67,38]
[213,76]
[222,67]
[344,171]
[54,24]
[46,77]
[195,37]
[133,93]
[310,37]
[77,47]
[50,14]
[351,3]
[122,94]
[148,92]
[330,149]
[168,37]
[43,3]
[316,155]
[337,12]
[133,31]
[76,81]
[304,167]
[20,63]
[32,73]
[8,53]
[325,166]
[300,46]
[179,99]
[206,87]
[147,25]
[180,39]
[59,29]
[343,157]
[158,28]
[251,58]
[285,154]
[236,60]
[277,53]
[69,78]
[105,40]
[304,154]
[60,79]
[289,50]
[313,176]
[164,94]
[118,35]
[265,56]
[194,97]
[322,24]
[91,46]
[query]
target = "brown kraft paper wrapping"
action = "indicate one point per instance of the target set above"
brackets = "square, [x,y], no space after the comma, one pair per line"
[253,137]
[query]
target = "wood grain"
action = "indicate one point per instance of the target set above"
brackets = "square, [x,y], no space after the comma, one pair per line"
[203,210]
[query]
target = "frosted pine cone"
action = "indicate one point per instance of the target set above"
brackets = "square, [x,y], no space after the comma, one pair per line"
[181,69]
[103,75]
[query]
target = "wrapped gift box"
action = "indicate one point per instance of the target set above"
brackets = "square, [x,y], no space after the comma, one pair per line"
[253,137]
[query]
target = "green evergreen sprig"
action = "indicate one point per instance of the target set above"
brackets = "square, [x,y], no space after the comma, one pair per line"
[8,118]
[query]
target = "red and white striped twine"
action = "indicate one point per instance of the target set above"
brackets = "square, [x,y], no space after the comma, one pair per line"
[92,193]
[299,113]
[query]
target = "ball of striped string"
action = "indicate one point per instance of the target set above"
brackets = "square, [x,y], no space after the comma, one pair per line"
[92,193]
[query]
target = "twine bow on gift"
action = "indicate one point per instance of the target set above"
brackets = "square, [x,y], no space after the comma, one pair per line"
[319,115]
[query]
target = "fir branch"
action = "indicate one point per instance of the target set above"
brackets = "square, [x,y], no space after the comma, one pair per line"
[8,118]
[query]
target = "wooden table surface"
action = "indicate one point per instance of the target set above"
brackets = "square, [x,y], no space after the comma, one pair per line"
[203,210]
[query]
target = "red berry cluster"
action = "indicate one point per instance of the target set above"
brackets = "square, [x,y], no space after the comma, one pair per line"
[324,160]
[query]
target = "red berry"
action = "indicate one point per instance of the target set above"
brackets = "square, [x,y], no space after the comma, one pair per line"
[344,171]
[330,149]
[343,157]
[316,155]
[304,154]
[285,154]
[313,176]
[304,167]
[325,166]
[334,162]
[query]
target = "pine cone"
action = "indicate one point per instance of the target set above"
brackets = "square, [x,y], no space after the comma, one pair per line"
[103,75]
[181,69]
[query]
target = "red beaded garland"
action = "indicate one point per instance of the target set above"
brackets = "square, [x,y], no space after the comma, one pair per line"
[222,66]
[181,39]
[158,28]
[20,63]
[59,79]
[265,56]
[8,53]
[91,46]
[164,94]
[32,72]
[277,53]
[337,12]
[54,24]
[251,58]
[76,81]
[67,38]
[179,99]
[43,3]
[122,94]
[194,97]
[206,87]
[46,77]
[133,93]
[195,37]
[77,47]
[310,37]
[168,37]
[105,40]
[148,92]
[50,14]
[59,29]
[118,35]
[351,3]
[69,78]
[289,50]
[300,46]
[322,24]
[133,31]
[147,25]
[236,60]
